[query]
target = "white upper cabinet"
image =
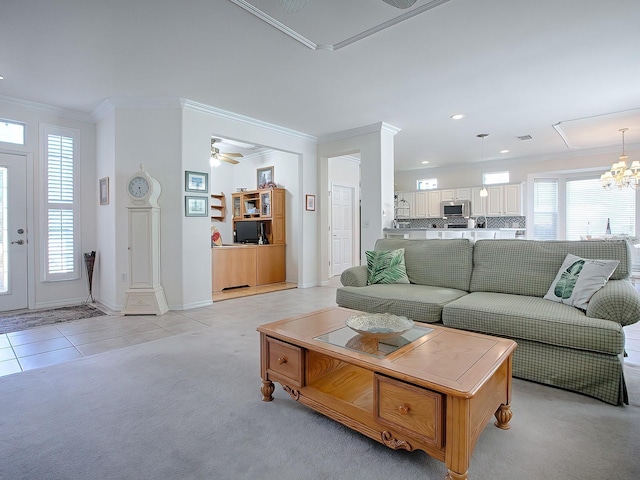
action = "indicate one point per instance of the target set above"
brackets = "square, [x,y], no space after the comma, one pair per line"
[422,205]
[449,194]
[435,198]
[503,200]
[513,200]
[478,203]
[404,205]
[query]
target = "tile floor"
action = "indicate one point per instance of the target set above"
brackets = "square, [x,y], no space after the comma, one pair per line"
[62,342]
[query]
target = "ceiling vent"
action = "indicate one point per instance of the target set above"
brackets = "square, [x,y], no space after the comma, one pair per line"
[525,137]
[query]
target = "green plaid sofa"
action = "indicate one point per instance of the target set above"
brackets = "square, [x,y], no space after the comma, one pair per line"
[496,287]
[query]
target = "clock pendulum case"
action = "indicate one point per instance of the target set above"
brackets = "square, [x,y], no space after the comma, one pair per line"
[145,295]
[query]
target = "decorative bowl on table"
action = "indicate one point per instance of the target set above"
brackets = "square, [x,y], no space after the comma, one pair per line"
[379,325]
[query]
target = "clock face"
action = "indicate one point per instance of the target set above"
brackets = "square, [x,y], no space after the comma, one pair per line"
[138,187]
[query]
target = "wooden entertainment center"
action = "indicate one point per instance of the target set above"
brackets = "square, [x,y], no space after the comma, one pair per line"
[252,264]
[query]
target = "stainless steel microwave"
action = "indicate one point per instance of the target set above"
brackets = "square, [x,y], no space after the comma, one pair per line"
[455,208]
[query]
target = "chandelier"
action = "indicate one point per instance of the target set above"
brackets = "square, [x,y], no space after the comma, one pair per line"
[620,175]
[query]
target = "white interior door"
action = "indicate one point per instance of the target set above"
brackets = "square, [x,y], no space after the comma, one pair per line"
[341,228]
[13,232]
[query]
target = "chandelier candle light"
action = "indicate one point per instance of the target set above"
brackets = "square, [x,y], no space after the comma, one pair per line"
[620,175]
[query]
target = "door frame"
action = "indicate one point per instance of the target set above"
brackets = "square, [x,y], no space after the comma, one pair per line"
[31,232]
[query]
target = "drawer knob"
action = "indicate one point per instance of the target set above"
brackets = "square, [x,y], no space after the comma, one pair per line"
[282,360]
[403,409]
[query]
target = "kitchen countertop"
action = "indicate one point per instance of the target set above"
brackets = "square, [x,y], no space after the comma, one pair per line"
[425,229]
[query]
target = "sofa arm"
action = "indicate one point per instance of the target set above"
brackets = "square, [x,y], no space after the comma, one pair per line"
[618,301]
[354,276]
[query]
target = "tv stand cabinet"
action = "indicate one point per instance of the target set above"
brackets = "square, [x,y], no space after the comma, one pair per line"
[239,265]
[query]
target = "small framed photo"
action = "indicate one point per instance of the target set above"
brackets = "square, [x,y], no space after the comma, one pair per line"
[104,191]
[265,177]
[311,202]
[196,182]
[196,206]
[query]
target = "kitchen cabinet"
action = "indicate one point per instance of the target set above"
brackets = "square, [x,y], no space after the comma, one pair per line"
[495,200]
[435,197]
[503,200]
[478,203]
[421,205]
[512,199]
[455,194]
[405,205]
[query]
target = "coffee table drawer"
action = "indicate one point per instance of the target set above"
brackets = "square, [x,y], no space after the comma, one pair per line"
[410,409]
[285,360]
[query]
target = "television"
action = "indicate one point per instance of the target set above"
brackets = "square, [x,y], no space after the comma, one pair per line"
[247,231]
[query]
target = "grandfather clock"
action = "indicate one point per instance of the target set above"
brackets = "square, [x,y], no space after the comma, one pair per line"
[145,295]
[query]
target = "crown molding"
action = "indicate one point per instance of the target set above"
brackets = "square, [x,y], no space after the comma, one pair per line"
[245,5]
[108,105]
[58,111]
[220,113]
[359,131]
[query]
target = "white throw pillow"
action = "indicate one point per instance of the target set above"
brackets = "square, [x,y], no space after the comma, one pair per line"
[578,279]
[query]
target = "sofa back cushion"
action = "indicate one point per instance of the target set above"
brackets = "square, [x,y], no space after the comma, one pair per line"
[435,262]
[528,267]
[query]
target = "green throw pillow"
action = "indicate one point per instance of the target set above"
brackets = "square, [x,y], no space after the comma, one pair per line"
[386,267]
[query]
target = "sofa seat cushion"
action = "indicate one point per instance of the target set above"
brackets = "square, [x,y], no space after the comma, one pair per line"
[420,303]
[534,319]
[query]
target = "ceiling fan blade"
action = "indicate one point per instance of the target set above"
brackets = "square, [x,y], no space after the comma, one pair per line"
[224,158]
[229,154]
[400,3]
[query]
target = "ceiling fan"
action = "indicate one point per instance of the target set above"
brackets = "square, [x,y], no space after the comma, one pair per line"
[294,6]
[217,155]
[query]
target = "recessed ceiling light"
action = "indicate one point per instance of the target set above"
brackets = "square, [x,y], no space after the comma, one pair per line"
[1,77]
[504,151]
[457,116]
[425,162]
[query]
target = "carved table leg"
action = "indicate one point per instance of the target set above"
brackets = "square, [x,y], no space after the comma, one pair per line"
[455,476]
[267,390]
[503,416]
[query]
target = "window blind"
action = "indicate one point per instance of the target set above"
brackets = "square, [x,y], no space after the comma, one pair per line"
[589,207]
[61,249]
[545,209]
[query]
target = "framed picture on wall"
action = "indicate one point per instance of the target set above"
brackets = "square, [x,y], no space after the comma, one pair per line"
[196,182]
[265,177]
[310,202]
[104,191]
[196,206]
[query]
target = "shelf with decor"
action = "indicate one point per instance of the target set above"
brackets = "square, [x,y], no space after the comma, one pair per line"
[218,206]
[258,254]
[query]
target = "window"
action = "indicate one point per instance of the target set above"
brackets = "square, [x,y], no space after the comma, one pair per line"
[61,217]
[12,132]
[427,184]
[492,178]
[589,207]
[545,209]
[571,207]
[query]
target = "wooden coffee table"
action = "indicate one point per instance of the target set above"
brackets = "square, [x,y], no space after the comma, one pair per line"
[433,389]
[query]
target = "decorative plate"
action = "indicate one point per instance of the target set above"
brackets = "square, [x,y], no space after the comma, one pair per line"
[379,325]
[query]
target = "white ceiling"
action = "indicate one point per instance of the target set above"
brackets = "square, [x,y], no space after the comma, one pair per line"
[512,67]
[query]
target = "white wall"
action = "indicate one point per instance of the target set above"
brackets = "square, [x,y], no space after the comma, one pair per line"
[375,145]
[471,174]
[46,294]
[295,171]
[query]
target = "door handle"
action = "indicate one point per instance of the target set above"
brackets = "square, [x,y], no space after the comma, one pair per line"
[19,242]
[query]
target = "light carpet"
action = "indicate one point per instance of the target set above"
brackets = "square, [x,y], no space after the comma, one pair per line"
[188,407]
[25,319]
